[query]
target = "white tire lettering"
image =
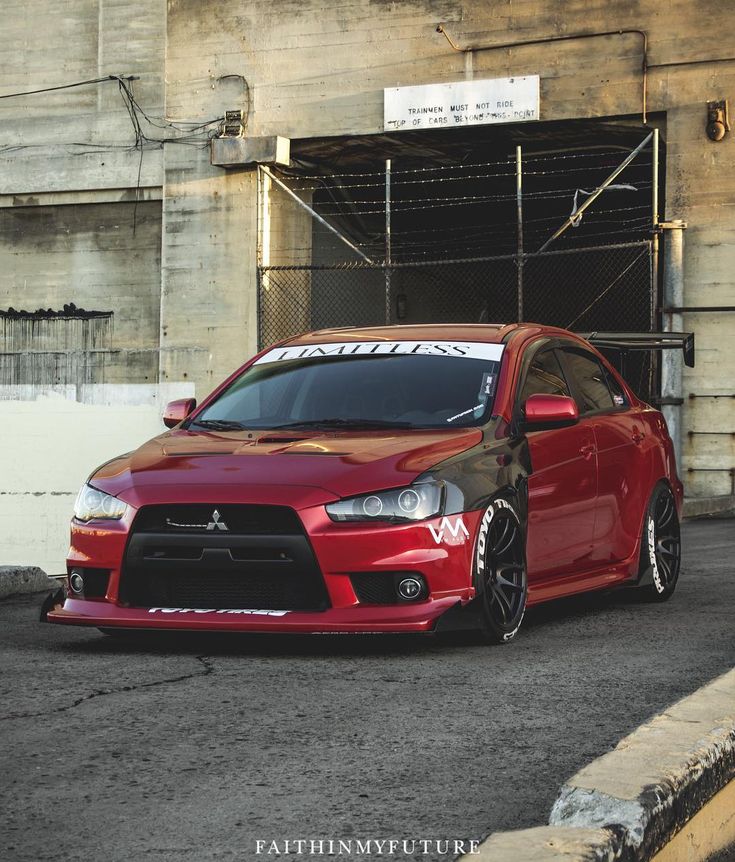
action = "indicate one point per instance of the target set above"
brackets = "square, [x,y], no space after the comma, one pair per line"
[487,519]
[651,532]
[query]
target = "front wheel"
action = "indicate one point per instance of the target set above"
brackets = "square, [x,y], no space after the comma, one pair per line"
[660,546]
[500,572]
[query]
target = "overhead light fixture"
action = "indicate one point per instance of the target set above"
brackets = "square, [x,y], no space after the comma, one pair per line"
[718,123]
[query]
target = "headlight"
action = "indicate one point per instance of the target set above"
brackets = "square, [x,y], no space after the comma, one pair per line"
[92,504]
[415,503]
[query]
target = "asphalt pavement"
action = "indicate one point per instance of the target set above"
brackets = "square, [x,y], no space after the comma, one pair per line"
[197,748]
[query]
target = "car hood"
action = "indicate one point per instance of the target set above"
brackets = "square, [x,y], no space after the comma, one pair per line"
[254,466]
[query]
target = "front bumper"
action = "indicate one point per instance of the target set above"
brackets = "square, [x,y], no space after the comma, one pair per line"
[420,617]
[437,550]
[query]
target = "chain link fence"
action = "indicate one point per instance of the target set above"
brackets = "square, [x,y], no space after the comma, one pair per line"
[602,287]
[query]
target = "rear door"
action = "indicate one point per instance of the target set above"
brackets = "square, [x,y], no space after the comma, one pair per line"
[562,484]
[621,461]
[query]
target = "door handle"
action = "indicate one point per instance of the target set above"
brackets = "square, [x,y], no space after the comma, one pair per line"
[587,450]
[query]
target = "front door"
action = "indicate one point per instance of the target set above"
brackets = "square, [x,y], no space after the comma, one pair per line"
[623,479]
[562,484]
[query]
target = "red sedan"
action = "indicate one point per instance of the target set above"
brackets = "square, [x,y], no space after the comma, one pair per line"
[393,479]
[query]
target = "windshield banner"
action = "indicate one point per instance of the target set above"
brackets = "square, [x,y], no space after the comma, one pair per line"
[456,349]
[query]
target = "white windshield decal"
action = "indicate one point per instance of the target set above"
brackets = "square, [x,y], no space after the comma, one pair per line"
[457,349]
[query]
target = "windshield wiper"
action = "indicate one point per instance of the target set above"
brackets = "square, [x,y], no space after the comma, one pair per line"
[218,424]
[342,423]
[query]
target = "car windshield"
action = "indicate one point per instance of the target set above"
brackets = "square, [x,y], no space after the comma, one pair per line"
[286,389]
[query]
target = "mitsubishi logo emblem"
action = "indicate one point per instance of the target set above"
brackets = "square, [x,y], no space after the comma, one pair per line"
[217,523]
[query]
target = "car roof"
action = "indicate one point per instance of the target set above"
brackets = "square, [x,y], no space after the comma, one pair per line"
[493,333]
[486,332]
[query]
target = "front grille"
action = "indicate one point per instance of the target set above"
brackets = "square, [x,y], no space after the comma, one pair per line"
[227,590]
[262,561]
[240,520]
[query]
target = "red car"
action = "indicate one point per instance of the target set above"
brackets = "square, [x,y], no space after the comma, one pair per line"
[393,479]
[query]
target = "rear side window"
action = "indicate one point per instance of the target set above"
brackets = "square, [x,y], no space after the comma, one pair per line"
[544,377]
[590,381]
[618,396]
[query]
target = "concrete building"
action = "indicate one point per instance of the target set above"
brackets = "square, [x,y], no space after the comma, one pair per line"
[110,202]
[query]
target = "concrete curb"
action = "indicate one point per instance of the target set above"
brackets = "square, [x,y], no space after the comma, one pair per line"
[702,507]
[23,580]
[629,803]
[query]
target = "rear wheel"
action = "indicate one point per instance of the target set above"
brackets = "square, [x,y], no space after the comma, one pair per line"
[660,546]
[500,572]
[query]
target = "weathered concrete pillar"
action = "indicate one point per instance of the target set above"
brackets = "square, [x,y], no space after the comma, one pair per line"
[208,269]
[672,362]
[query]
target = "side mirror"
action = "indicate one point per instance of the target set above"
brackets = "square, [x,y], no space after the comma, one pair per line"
[550,411]
[177,411]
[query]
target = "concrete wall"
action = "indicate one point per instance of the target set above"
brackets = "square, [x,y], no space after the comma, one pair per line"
[100,257]
[77,139]
[316,69]
[53,438]
[305,69]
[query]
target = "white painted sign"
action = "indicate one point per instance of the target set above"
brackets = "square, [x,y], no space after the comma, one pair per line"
[464,103]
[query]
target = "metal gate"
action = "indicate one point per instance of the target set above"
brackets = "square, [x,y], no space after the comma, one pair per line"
[594,285]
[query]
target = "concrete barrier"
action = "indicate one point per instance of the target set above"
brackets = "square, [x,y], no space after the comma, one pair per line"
[665,793]
[702,507]
[21,580]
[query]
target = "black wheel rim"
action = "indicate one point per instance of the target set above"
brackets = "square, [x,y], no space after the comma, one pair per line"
[666,540]
[504,586]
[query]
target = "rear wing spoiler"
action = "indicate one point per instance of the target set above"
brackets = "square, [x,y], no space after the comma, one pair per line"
[627,341]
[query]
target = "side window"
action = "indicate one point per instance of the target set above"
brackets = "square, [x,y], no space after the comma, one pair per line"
[619,399]
[544,377]
[590,381]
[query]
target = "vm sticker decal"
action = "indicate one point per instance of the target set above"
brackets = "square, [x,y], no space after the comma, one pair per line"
[454,527]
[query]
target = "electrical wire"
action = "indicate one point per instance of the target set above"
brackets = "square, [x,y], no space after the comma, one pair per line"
[68,86]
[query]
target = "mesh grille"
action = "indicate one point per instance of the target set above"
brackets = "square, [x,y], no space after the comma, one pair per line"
[375,588]
[239,519]
[263,559]
[212,589]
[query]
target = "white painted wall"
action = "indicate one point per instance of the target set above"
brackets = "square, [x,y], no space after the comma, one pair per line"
[53,438]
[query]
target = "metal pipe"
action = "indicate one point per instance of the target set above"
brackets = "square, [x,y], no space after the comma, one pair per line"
[712,395]
[597,192]
[654,252]
[671,363]
[314,213]
[519,211]
[387,242]
[550,39]
[697,309]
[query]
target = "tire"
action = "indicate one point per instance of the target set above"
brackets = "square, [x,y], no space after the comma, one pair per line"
[499,574]
[660,558]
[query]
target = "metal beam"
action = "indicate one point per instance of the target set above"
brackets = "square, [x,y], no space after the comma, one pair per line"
[388,258]
[519,213]
[313,212]
[597,192]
